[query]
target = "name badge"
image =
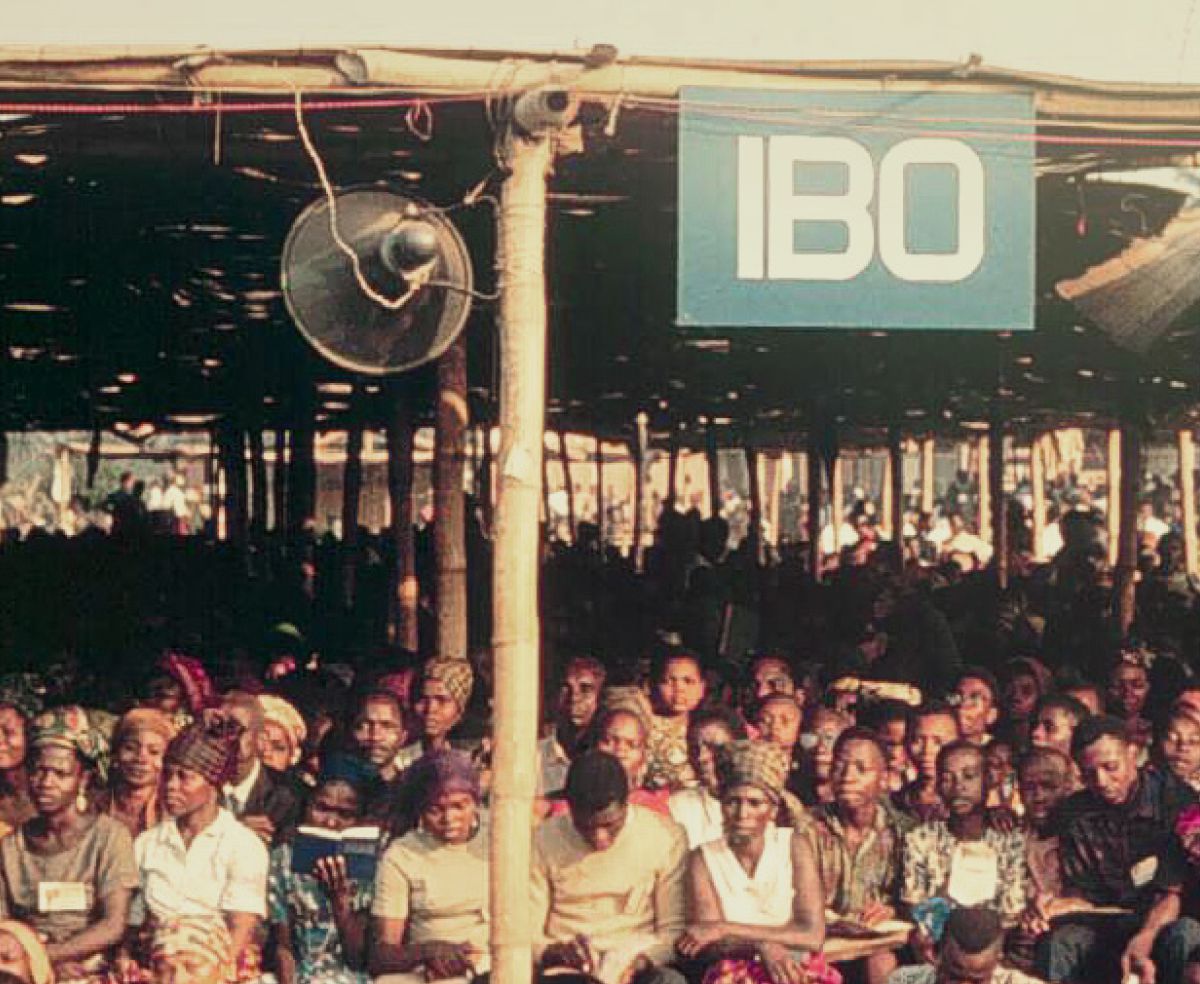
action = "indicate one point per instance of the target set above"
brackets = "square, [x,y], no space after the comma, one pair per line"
[974,874]
[62,897]
[1144,871]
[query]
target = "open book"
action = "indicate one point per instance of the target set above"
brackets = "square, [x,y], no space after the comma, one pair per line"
[358,845]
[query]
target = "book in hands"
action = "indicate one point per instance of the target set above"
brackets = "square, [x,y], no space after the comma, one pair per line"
[358,845]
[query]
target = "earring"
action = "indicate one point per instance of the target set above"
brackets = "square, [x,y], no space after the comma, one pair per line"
[81,801]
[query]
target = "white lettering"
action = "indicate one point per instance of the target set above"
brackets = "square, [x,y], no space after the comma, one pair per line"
[751,208]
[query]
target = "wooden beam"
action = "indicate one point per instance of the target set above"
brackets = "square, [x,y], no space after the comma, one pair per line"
[352,473]
[1037,480]
[1187,487]
[1125,582]
[450,525]
[815,557]
[1113,468]
[403,589]
[515,625]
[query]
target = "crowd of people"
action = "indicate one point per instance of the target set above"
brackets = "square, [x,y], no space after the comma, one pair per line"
[898,773]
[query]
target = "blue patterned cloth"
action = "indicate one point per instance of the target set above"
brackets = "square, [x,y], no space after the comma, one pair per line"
[301,903]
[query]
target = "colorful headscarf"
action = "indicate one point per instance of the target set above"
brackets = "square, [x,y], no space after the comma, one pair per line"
[444,771]
[198,690]
[753,763]
[631,700]
[455,674]
[1188,821]
[69,727]
[208,746]
[202,937]
[40,970]
[277,709]
[144,719]
[24,692]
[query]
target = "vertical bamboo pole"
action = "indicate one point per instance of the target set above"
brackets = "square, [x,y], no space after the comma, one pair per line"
[984,476]
[258,490]
[1114,496]
[712,457]
[564,455]
[754,533]
[232,445]
[927,474]
[450,524]
[999,515]
[837,501]
[1127,554]
[522,329]
[896,461]
[302,475]
[772,473]
[672,470]
[885,498]
[279,494]
[1037,478]
[1187,487]
[487,477]
[815,554]
[351,493]
[600,490]
[403,596]
[640,452]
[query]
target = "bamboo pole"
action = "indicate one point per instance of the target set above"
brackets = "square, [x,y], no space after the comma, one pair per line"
[837,501]
[1114,496]
[600,491]
[713,459]
[773,472]
[815,555]
[999,515]
[522,329]
[564,455]
[1037,479]
[302,477]
[403,594]
[636,457]
[450,525]
[231,442]
[672,471]
[984,476]
[351,493]
[1187,488]
[896,461]
[754,533]
[258,491]
[927,474]
[886,497]
[1127,554]
[279,494]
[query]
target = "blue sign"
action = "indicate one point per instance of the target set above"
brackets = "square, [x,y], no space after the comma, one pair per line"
[856,210]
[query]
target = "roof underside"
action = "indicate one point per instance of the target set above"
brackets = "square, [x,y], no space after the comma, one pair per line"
[139,273]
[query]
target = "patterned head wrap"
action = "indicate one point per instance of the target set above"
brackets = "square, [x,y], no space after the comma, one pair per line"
[455,674]
[753,763]
[144,719]
[40,971]
[630,700]
[444,771]
[208,746]
[279,711]
[198,690]
[24,692]
[199,937]
[69,727]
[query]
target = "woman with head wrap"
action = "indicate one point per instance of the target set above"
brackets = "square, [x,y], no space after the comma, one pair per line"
[139,744]
[191,950]
[430,914]
[442,697]
[68,872]
[283,733]
[181,689]
[20,703]
[23,958]
[319,917]
[200,861]
[759,886]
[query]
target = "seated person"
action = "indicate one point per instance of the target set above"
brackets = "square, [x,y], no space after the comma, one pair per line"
[191,950]
[607,892]
[443,693]
[318,918]
[931,728]
[574,711]
[377,734]
[139,743]
[1001,777]
[1128,692]
[200,861]
[23,958]
[1118,849]
[429,920]
[821,733]
[754,893]
[977,700]
[963,859]
[970,952]
[1178,747]
[68,873]
[284,733]
[778,720]
[679,688]
[698,809]
[857,842]
[1055,720]
[264,800]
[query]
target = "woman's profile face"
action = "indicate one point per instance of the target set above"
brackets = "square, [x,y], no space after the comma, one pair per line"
[12,739]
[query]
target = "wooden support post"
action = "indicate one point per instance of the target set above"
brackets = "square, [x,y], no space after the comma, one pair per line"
[1187,488]
[672,471]
[232,448]
[351,493]
[564,455]
[928,447]
[1114,496]
[712,456]
[754,533]
[1127,553]
[487,477]
[600,492]
[450,524]
[279,494]
[837,501]
[302,477]
[999,514]
[815,555]
[885,498]
[403,594]
[983,476]
[772,474]
[1037,479]
[522,329]
[896,460]
[258,485]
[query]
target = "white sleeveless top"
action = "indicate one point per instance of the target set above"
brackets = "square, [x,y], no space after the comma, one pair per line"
[765,899]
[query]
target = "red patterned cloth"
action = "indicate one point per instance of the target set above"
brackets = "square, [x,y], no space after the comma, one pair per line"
[740,970]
